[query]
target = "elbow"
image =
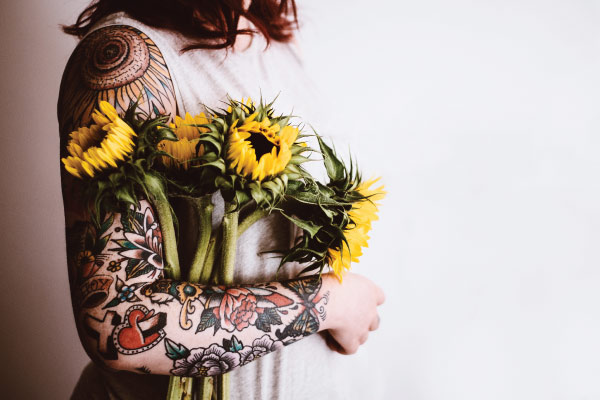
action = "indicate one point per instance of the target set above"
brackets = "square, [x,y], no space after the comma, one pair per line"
[109,361]
[97,341]
[102,356]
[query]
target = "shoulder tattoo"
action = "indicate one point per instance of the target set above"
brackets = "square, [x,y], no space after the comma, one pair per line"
[118,64]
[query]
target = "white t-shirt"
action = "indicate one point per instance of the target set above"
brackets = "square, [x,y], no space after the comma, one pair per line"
[307,369]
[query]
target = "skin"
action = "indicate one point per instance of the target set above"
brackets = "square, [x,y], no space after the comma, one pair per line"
[129,317]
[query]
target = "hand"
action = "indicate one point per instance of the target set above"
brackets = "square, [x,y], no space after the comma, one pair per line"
[351,312]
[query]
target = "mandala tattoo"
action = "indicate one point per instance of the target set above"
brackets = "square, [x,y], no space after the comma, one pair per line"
[118,64]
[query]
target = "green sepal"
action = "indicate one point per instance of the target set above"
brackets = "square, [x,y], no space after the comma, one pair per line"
[155,186]
[166,134]
[123,194]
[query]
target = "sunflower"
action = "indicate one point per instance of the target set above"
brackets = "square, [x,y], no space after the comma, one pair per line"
[184,149]
[100,146]
[247,104]
[362,215]
[260,149]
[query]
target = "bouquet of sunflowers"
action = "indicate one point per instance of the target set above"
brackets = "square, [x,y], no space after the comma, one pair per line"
[253,158]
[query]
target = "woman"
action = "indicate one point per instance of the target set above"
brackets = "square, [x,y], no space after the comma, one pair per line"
[175,57]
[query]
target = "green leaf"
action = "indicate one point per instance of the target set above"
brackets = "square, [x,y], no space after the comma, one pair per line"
[207,139]
[175,351]
[107,224]
[219,164]
[114,302]
[262,323]
[233,345]
[101,243]
[308,226]
[207,319]
[272,316]
[335,168]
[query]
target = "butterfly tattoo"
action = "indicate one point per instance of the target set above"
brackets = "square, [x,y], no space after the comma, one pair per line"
[307,322]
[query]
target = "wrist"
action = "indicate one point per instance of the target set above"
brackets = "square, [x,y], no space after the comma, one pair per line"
[329,299]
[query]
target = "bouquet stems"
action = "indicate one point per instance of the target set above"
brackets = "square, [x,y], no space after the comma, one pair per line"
[211,252]
[204,209]
[211,255]
[201,270]
[204,389]
[167,228]
[230,235]
[253,217]
[180,388]
[164,212]
[222,387]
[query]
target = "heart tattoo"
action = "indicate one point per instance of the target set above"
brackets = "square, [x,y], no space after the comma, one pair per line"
[141,330]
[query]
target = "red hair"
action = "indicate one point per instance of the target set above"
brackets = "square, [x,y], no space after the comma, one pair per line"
[211,24]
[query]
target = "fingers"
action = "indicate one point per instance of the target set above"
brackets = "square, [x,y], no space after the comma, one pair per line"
[357,321]
[363,338]
[379,295]
[335,346]
[375,323]
[331,343]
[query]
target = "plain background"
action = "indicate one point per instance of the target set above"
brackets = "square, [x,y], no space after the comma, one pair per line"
[482,116]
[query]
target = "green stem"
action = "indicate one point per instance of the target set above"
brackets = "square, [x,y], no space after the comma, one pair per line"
[230,235]
[209,262]
[204,209]
[222,386]
[204,389]
[250,219]
[211,253]
[167,228]
[180,388]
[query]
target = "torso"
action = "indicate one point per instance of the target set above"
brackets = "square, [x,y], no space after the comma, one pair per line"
[306,369]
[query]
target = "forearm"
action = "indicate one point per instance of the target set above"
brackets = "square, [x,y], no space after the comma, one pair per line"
[130,318]
[179,328]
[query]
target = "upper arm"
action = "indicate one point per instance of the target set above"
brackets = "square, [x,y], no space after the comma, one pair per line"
[119,64]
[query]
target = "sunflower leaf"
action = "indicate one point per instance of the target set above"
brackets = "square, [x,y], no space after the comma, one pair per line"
[335,168]
[308,226]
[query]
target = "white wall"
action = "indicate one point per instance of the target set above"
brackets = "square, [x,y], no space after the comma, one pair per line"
[484,119]
[482,116]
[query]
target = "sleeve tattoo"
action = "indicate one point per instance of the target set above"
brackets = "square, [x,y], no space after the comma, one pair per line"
[126,308]
[128,316]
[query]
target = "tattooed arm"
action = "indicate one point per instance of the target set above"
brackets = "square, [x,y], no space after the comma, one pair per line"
[129,317]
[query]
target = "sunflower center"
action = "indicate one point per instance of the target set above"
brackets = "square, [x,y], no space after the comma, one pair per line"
[261,144]
[97,140]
